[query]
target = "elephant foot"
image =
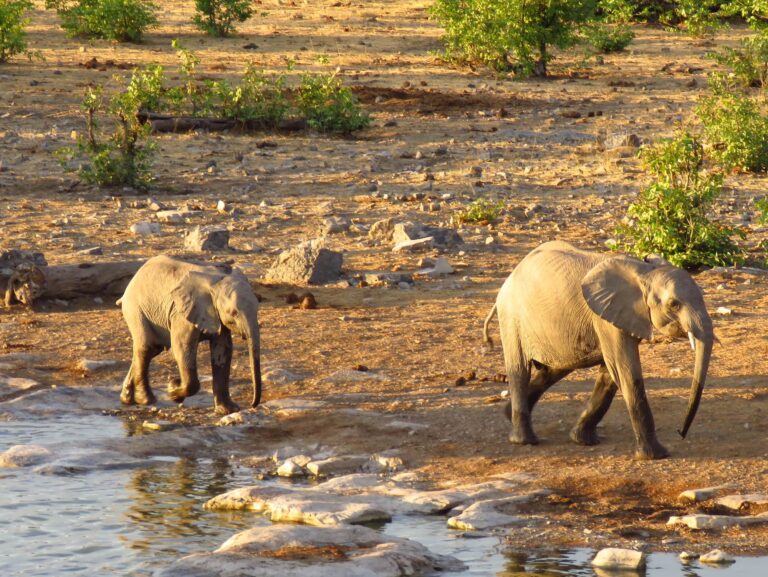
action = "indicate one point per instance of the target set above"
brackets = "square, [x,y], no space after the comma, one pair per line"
[145,397]
[651,452]
[177,392]
[226,407]
[127,397]
[584,437]
[523,439]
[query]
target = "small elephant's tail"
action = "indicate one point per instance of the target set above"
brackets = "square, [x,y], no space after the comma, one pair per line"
[486,338]
[119,301]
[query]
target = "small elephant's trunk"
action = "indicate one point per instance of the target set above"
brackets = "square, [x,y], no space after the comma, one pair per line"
[702,340]
[254,349]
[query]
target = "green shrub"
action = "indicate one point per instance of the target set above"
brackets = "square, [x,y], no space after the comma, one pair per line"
[328,105]
[13,38]
[120,158]
[607,38]
[120,20]
[749,63]
[735,128]
[217,17]
[671,217]
[510,35]
[258,99]
[481,210]
[696,17]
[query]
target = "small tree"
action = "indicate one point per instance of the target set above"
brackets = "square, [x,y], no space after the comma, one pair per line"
[217,17]
[13,38]
[671,217]
[121,20]
[510,35]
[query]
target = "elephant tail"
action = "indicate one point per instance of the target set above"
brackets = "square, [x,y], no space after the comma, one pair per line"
[119,301]
[486,338]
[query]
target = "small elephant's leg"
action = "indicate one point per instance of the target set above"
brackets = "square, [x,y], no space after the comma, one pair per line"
[221,360]
[136,387]
[519,376]
[184,341]
[622,359]
[585,430]
[541,380]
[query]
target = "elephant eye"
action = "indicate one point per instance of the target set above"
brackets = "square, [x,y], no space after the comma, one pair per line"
[673,304]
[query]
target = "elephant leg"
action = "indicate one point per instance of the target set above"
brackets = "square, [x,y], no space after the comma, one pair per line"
[136,387]
[585,430]
[622,359]
[519,376]
[184,342]
[543,378]
[221,360]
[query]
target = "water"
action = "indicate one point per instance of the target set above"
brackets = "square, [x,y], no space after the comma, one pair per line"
[132,521]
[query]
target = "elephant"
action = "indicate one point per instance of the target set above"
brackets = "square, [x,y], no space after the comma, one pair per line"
[564,309]
[171,303]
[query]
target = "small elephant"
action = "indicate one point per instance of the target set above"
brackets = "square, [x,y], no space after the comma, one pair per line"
[563,309]
[175,304]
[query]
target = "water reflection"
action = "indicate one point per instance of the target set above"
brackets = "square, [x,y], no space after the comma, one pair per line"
[556,563]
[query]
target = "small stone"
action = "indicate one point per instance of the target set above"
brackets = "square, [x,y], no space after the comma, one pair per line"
[231,420]
[336,466]
[336,225]
[223,207]
[145,228]
[93,251]
[207,238]
[717,557]
[170,216]
[614,558]
[621,140]
[490,240]
[24,456]
[724,311]
[88,366]
[308,301]
[414,245]
[292,467]
[703,494]
[159,425]
[688,556]
[155,205]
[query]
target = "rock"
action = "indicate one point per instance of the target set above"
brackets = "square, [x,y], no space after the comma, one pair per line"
[686,556]
[291,468]
[408,231]
[335,225]
[88,459]
[62,400]
[309,262]
[279,376]
[92,251]
[303,551]
[145,228]
[717,522]
[292,407]
[716,556]
[439,267]
[324,510]
[383,464]
[386,278]
[231,419]
[698,495]
[89,366]
[489,514]
[222,207]
[170,216]
[621,140]
[414,245]
[382,230]
[336,465]
[159,425]
[155,205]
[346,376]
[24,456]
[614,558]
[15,384]
[724,311]
[207,238]
[743,502]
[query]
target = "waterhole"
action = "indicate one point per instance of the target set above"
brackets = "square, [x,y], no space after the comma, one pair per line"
[132,521]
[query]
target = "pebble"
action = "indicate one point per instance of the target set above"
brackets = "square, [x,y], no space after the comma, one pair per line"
[145,228]
[716,556]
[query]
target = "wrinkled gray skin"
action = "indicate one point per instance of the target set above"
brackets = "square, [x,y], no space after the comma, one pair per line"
[173,304]
[564,309]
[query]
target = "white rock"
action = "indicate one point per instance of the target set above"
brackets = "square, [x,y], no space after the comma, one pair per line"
[489,514]
[24,456]
[170,216]
[413,245]
[717,522]
[687,556]
[231,420]
[15,384]
[222,207]
[324,510]
[278,376]
[716,556]
[724,311]
[90,366]
[145,228]
[703,494]
[614,558]
[361,552]
[336,465]
[739,502]
[383,463]
[292,407]
[290,468]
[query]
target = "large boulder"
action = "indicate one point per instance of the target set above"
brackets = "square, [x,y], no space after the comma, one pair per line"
[308,263]
[302,551]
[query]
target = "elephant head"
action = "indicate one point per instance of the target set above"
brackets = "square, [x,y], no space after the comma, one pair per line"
[639,296]
[209,301]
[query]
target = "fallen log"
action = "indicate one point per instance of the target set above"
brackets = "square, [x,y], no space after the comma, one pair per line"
[170,123]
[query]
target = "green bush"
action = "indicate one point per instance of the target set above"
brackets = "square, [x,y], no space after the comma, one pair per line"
[734,127]
[120,158]
[749,63]
[696,17]
[217,17]
[120,20]
[607,38]
[328,105]
[671,217]
[481,210]
[258,99]
[13,38]
[510,35]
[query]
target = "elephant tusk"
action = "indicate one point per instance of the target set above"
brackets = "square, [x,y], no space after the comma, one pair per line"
[692,340]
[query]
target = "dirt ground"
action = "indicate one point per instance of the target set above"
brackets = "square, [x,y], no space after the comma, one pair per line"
[436,129]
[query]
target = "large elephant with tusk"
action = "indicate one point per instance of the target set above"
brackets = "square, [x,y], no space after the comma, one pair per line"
[174,304]
[564,309]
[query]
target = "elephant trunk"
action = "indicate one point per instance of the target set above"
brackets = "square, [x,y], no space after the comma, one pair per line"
[252,336]
[702,339]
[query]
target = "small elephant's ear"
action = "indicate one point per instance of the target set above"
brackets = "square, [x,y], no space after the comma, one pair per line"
[192,299]
[613,290]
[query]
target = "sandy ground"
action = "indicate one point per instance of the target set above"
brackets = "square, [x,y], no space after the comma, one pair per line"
[477,136]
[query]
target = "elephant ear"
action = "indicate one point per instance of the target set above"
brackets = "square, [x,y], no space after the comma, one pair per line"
[613,290]
[192,299]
